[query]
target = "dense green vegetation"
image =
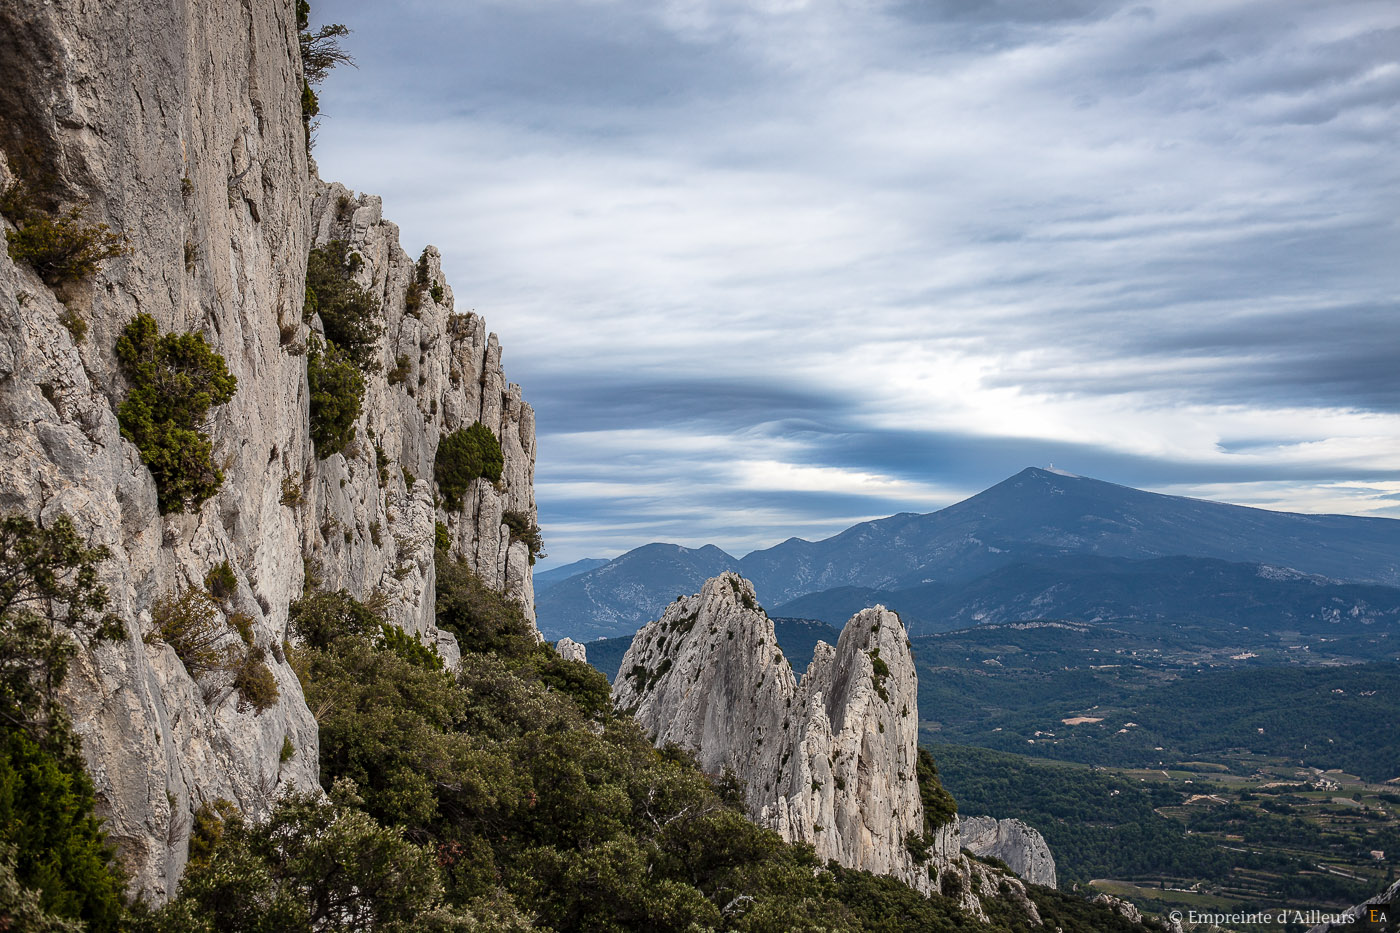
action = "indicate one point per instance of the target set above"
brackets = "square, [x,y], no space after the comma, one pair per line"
[512,790]
[465,455]
[349,313]
[175,380]
[336,367]
[1155,701]
[54,862]
[337,392]
[1106,825]
[1097,825]
[522,528]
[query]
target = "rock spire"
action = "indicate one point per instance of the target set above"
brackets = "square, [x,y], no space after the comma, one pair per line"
[831,760]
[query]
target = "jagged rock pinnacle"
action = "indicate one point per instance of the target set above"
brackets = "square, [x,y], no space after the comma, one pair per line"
[830,761]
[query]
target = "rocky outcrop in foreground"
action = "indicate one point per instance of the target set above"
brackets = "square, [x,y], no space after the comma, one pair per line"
[830,761]
[1020,846]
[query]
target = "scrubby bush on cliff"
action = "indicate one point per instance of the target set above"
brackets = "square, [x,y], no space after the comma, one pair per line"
[54,860]
[320,52]
[349,313]
[190,622]
[523,529]
[175,380]
[465,455]
[940,808]
[59,245]
[337,390]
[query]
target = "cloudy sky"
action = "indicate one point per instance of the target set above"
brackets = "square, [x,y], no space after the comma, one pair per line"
[769,268]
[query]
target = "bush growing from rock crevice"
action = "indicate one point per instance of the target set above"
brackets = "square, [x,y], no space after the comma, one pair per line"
[523,529]
[54,860]
[337,390]
[175,380]
[463,456]
[59,245]
[349,313]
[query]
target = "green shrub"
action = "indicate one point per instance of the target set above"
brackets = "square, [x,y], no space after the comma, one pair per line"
[254,681]
[54,859]
[175,380]
[288,750]
[349,313]
[314,864]
[442,538]
[242,623]
[406,646]
[523,529]
[465,455]
[478,615]
[76,324]
[337,388]
[940,808]
[381,463]
[60,246]
[221,580]
[402,367]
[318,619]
[190,623]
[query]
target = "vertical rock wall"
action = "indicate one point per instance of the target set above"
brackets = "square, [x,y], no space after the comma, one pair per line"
[439,371]
[178,123]
[1019,845]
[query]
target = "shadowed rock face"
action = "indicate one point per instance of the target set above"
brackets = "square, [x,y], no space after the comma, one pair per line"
[1017,844]
[830,760]
[188,140]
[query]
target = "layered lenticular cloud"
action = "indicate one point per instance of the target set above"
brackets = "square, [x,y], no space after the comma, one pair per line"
[769,268]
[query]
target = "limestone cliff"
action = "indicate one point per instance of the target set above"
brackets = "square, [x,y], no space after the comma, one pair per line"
[179,124]
[830,760]
[1020,846]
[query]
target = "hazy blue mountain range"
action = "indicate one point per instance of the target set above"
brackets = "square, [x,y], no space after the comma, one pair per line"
[544,580]
[797,638]
[626,592]
[1094,589]
[1036,518]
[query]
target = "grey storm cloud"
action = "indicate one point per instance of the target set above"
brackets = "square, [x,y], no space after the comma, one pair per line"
[769,267]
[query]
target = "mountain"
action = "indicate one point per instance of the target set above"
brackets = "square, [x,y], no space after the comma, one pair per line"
[627,592]
[797,638]
[544,581]
[1037,513]
[1036,518]
[1091,589]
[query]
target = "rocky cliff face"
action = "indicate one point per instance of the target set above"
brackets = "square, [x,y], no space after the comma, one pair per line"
[1017,844]
[830,760]
[179,124]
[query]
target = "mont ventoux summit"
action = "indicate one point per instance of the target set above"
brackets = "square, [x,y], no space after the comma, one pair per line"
[269,650]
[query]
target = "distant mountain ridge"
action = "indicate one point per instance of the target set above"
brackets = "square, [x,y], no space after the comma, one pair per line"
[1036,517]
[1092,589]
[548,578]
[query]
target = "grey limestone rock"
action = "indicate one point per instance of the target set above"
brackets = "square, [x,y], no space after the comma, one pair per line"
[179,124]
[1017,844]
[571,650]
[830,760]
